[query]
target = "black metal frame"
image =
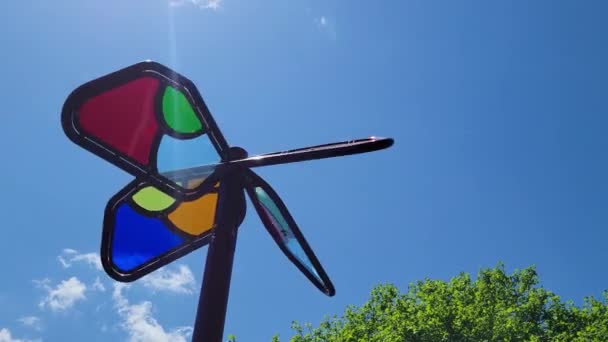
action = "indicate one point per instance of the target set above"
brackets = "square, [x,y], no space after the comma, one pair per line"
[338,149]
[235,178]
[213,300]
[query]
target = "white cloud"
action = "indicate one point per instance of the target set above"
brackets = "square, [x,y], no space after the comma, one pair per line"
[203,4]
[30,321]
[139,323]
[5,336]
[70,256]
[326,25]
[322,22]
[98,286]
[42,283]
[165,279]
[64,295]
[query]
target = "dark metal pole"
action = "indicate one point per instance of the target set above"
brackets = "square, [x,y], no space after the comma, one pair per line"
[213,300]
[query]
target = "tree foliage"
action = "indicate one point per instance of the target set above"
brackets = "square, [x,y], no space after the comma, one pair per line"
[496,306]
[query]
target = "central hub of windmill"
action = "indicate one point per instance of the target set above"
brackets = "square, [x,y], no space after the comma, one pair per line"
[236,153]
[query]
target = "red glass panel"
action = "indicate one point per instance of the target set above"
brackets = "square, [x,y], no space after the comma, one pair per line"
[124,118]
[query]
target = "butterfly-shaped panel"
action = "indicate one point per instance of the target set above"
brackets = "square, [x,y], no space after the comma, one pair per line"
[146,228]
[151,122]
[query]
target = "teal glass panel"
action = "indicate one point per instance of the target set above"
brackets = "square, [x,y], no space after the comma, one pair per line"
[184,159]
[284,231]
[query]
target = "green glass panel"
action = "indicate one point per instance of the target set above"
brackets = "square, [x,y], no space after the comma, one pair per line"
[152,199]
[178,113]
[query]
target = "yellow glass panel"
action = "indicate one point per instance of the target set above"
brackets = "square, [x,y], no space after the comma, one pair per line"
[195,217]
[193,183]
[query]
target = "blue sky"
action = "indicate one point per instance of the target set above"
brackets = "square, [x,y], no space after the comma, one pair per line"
[498,110]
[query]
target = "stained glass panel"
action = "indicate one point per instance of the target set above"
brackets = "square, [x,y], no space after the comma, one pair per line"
[178,113]
[123,118]
[144,227]
[179,154]
[286,233]
[280,229]
[138,239]
[149,121]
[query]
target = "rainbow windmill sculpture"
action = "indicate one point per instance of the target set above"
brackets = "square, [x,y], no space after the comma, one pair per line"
[189,183]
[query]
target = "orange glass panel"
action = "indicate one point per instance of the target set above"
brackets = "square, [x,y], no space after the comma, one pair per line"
[195,217]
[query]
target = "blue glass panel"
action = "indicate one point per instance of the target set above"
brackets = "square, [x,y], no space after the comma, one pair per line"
[178,154]
[138,239]
[284,232]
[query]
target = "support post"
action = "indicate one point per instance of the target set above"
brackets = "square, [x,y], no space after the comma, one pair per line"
[213,300]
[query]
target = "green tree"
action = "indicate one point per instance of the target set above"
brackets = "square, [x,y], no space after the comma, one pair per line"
[496,306]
